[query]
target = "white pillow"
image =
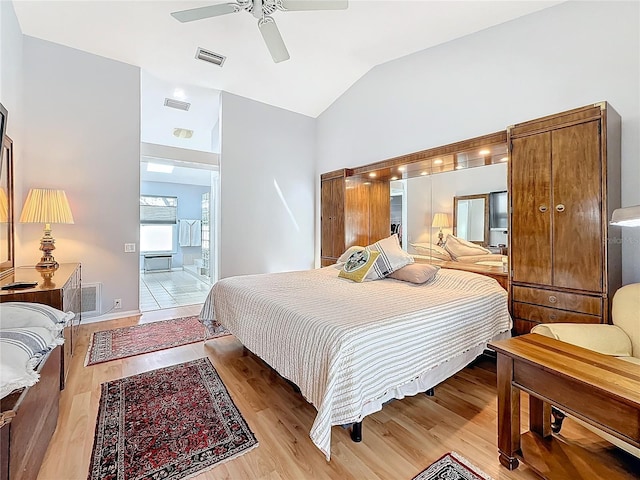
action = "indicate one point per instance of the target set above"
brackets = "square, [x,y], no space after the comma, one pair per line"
[459,247]
[431,250]
[345,256]
[22,314]
[21,349]
[391,257]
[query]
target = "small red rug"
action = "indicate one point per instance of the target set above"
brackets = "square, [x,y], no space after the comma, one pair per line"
[169,423]
[452,466]
[125,342]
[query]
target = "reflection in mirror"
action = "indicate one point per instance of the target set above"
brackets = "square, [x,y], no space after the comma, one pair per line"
[471,218]
[423,196]
[6,208]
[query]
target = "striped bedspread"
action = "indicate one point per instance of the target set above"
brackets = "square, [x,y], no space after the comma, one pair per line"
[345,343]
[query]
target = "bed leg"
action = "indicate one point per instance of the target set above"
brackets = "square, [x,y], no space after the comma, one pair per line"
[430,392]
[356,432]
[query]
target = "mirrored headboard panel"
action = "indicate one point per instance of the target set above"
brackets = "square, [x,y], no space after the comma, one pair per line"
[6,209]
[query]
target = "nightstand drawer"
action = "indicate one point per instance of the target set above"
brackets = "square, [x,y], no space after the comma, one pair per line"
[539,314]
[560,300]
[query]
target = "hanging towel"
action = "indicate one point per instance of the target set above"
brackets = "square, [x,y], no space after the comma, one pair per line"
[190,234]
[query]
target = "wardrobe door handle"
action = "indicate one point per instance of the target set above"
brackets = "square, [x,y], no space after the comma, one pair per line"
[543,208]
[553,298]
[553,317]
[560,207]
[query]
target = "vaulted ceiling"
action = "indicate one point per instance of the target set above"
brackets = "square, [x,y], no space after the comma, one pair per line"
[330,50]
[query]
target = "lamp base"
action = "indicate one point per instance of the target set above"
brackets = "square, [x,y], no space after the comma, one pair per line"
[47,245]
[47,264]
[440,240]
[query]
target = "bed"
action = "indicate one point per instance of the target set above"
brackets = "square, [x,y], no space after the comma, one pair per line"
[350,347]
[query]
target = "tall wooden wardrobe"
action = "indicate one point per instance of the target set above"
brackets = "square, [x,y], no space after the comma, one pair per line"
[564,183]
[354,211]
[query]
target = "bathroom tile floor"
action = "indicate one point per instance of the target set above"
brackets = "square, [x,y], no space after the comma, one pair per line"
[159,290]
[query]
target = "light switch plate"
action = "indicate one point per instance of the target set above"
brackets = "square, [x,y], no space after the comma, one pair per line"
[129,247]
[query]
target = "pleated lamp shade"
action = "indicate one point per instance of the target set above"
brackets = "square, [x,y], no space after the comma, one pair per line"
[440,220]
[44,205]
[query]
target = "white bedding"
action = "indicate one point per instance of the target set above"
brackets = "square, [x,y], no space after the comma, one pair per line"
[348,345]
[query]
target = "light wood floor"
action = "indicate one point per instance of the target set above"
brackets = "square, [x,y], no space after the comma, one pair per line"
[398,442]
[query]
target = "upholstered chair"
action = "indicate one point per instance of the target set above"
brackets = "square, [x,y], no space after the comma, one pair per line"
[622,340]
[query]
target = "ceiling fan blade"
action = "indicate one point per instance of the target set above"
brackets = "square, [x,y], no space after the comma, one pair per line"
[315,4]
[273,39]
[205,12]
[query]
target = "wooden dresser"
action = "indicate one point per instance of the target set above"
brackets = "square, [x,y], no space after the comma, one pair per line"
[60,289]
[354,211]
[564,183]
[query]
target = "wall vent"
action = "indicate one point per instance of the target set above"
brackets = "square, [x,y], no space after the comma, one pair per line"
[210,57]
[91,299]
[170,102]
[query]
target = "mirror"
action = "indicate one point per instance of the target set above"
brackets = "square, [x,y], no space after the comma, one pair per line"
[424,196]
[471,218]
[6,208]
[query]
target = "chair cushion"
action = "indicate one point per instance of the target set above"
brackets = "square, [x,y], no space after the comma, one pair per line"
[625,313]
[605,339]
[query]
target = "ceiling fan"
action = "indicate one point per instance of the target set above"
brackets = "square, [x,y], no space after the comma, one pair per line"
[262,10]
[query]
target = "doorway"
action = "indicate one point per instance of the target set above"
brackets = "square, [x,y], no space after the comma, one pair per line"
[178,254]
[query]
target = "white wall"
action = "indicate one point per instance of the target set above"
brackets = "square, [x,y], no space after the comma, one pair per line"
[267,188]
[564,57]
[83,135]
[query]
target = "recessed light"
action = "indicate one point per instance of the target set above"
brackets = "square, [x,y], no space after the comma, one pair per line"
[159,168]
[424,173]
[372,174]
[437,161]
[402,169]
[504,159]
[394,178]
[459,167]
[484,152]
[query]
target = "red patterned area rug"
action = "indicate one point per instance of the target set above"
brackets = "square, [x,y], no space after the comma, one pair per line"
[170,423]
[125,342]
[452,466]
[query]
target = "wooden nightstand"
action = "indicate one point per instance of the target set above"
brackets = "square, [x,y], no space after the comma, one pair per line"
[61,289]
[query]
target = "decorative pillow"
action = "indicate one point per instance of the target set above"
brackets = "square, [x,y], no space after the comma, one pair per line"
[21,349]
[391,258]
[431,250]
[416,273]
[358,265]
[22,314]
[459,247]
[345,256]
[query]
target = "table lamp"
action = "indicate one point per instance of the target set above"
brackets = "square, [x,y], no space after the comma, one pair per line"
[46,206]
[440,220]
[626,217]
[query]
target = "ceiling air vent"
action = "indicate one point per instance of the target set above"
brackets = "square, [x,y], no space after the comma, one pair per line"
[210,57]
[170,102]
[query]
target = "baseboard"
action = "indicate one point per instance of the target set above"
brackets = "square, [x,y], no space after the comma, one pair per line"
[112,316]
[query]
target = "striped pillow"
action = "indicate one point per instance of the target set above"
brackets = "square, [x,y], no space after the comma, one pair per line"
[391,257]
[21,349]
[22,314]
